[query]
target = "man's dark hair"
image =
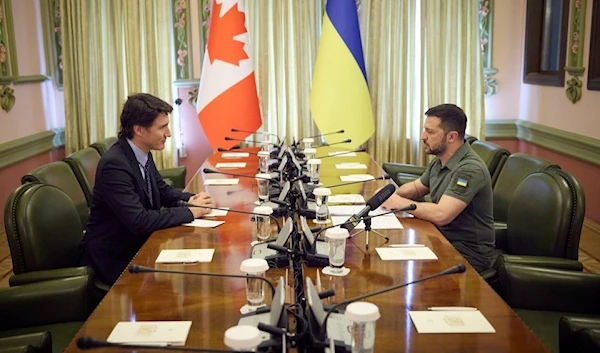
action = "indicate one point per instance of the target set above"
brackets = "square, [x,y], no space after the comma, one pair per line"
[141,109]
[452,118]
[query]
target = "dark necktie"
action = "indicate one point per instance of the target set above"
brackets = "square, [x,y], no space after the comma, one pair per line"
[148,183]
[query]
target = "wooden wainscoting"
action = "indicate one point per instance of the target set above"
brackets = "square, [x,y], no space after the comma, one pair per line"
[589,251]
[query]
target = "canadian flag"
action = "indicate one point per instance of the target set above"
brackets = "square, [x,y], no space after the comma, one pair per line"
[227,95]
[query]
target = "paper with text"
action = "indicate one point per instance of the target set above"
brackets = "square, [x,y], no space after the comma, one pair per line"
[231,165]
[204,223]
[217,213]
[346,198]
[183,256]
[451,322]
[351,166]
[233,155]
[232,181]
[356,177]
[404,254]
[384,222]
[172,333]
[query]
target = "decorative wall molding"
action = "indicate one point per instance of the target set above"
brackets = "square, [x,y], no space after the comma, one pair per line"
[570,144]
[181,40]
[575,53]
[486,10]
[29,146]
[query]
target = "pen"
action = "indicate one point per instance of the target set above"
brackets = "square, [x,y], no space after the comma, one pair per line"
[451,308]
[406,245]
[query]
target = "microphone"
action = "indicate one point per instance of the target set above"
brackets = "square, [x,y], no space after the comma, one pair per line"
[383,177]
[187,204]
[256,132]
[335,143]
[459,268]
[373,203]
[87,342]
[362,149]
[135,269]
[221,149]
[330,133]
[227,138]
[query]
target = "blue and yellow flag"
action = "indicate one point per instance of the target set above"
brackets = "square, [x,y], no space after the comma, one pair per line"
[339,98]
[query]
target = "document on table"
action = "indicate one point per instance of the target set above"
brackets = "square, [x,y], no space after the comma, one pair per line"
[217,213]
[231,165]
[234,155]
[351,166]
[406,253]
[346,198]
[388,221]
[166,333]
[231,181]
[451,322]
[184,256]
[343,154]
[349,210]
[204,223]
[356,177]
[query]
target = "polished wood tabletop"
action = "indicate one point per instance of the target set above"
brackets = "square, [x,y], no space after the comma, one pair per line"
[212,304]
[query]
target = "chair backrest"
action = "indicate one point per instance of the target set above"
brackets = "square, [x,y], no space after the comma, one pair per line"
[470,139]
[59,174]
[516,168]
[493,156]
[84,164]
[545,215]
[103,145]
[42,227]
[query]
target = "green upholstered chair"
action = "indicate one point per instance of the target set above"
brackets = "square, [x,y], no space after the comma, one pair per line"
[172,176]
[84,164]
[44,231]
[44,317]
[60,175]
[556,304]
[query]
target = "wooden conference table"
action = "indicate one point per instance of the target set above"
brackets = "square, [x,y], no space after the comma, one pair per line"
[212,304]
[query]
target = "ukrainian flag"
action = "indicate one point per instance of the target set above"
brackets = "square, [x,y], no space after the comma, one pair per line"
[339,98]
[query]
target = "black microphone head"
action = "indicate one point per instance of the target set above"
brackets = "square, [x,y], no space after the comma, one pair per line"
[208,171]
[347,141]
[410,207]
[385,177]
[341,132]
[381,196]
[86,342]
[227,138]
[234,130]
[362,149]
[221,149]
[134,269]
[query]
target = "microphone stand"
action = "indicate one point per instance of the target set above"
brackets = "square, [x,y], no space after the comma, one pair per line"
[368,230]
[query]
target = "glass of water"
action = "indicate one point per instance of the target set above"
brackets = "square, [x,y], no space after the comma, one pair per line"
[309,153]
[262,180]
[255,291]
[321,196]
[262,224]
[314,166]
[308,142]
[336,237]
[265,146]
[362,316]
[263,161]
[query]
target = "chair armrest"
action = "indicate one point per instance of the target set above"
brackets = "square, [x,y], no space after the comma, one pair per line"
[537,288]
[20,349]
[46,275]
[500,229]
[39,341]
[48,302]
[177,176]
[556,263]
[569,328]
[409,172]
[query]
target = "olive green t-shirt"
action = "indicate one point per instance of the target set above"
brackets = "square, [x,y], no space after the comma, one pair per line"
[466,177]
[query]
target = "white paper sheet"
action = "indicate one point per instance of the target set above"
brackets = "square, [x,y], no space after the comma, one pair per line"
[231,165]
[345,154]
[183,256]
[204,223]
[351,166]
[384,222]
[407,253]
[217,213]
[347,198]
[356,177]
[233,155]
[349,210]
[151,332]
[451,322]
[232,181]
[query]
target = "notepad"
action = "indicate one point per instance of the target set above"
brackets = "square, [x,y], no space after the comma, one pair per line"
[407,253]
[204,223]
[217,213]
[167,333]
[232,181]
[356,177]
[184,256]
[231,165]
[233,155]
[384,222]
[347,198]
[343,154]
[451,322]
[351,166]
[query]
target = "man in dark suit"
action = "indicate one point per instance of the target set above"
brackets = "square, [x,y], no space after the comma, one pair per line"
[130,198]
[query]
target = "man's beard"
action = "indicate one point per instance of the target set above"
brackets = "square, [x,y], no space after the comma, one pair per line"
[441,148]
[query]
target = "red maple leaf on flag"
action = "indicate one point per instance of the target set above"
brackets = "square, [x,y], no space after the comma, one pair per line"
[221,44]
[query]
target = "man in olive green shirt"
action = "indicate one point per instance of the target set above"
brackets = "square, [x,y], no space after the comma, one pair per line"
[459,184]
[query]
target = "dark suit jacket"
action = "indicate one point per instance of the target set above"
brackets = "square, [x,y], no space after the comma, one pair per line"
[121,217]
